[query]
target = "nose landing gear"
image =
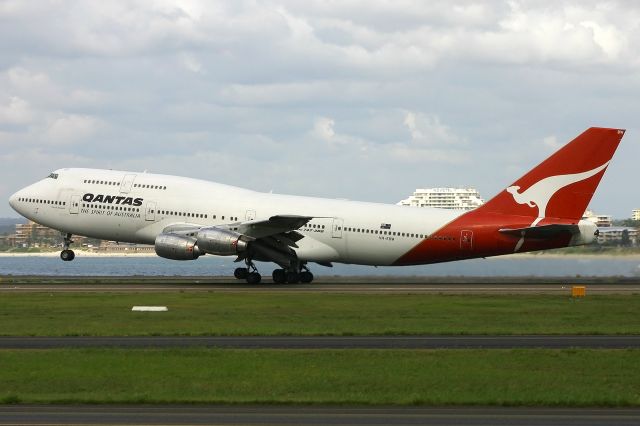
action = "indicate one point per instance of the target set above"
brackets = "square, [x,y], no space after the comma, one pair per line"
[66,254]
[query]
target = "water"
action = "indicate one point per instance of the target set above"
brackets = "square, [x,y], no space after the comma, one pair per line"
[540,266]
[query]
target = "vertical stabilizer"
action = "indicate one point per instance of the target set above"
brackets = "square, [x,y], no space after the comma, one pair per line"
[562,185]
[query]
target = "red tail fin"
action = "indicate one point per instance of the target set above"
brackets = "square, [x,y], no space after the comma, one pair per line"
[563,184]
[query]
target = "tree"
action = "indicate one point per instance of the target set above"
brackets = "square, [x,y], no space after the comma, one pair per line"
[625,241]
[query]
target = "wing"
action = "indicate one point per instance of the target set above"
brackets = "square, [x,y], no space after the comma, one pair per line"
[275,225]
[251,230]
[272,239]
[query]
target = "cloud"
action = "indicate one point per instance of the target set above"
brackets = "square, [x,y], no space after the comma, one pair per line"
[390,95]
[192,64]
[323,128]
[427,129]
[16,112]
[420,148]
[70,129]
[37,88]
[411,154]
[551,142]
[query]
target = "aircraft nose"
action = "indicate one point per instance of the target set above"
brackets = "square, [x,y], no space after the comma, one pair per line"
[13,201]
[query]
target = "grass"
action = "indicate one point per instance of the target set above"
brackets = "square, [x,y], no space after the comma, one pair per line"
[406,377]
[69,314]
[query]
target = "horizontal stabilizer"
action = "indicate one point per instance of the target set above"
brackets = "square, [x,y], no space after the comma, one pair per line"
[544,231]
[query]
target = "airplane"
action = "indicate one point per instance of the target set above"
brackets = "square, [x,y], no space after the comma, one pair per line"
[186,218]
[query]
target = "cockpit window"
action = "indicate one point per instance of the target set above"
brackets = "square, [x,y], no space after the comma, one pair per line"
[53,176]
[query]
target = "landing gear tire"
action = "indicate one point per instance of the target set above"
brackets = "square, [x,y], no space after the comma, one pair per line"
[254,278]
[67,255]
[306,277]
[293,277]
[279,276]
[241,273]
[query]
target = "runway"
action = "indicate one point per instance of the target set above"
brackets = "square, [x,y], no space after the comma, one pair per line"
[563,288]
[328,342]
[310,415]
[362,285]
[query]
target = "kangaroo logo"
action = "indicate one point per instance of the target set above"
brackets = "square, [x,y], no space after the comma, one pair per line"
[539,194]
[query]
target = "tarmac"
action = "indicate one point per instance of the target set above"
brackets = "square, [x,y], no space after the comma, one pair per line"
[330,342]
[249,415]
[354,284]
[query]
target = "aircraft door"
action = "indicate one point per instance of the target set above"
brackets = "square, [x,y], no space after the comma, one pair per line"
[150,213]
[74,206]
[127,183]
[336,231]
[466,240]
[250,215]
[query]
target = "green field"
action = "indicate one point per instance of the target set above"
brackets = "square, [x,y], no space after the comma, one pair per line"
[578,377]
[433,377]
[106,314]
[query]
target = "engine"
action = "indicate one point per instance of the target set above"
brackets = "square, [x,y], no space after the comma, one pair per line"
[177,247]
[588,233]
[221,242]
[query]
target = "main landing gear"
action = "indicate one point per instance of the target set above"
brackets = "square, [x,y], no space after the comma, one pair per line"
[280,276]
[250,273]
[66,254]
[290,276]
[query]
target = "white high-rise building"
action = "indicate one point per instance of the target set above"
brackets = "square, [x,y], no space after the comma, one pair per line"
[444,198]
[601,220]
[635,215]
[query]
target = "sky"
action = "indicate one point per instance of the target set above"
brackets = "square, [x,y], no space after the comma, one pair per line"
[363,100]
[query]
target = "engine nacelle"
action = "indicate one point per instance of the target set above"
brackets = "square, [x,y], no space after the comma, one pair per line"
[221,242]
[177,247]
[588,233]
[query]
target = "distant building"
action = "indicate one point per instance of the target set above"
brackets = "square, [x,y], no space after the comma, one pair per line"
[601,220]
[444,198]
[33,234]
[614,234]
[635,215]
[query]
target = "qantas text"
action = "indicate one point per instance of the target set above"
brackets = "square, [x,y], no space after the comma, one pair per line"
[112,199]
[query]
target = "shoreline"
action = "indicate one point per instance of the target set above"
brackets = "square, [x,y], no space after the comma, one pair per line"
[82,253]
[79,253]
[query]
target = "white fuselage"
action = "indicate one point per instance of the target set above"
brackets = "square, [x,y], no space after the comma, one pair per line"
[136,207]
